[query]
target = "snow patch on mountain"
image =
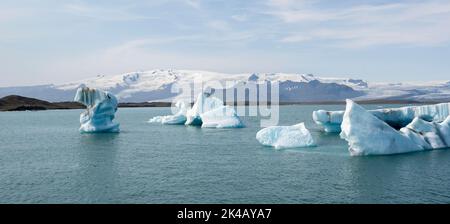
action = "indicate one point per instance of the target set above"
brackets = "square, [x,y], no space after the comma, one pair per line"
[168,85]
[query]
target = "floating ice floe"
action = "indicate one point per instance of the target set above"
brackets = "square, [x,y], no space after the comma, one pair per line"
[367,134]
[286,136]
[99,114]
[205,102]
[221,117]
[395,117]
[178,118]
[329,120]
[207,112]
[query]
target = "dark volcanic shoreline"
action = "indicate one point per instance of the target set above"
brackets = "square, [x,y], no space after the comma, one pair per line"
[20,103]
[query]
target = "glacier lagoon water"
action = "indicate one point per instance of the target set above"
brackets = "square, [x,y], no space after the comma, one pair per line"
[44,159]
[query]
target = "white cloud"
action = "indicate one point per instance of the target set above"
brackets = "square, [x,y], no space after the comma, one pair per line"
[424,23]
[371,36]
[239,18]
[12,14]
[134,55]
[293,38]
[104,13]
[193,3]
[288,3]
[133,45]
[219,25]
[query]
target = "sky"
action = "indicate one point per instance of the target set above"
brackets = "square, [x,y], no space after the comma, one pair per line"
[53,41]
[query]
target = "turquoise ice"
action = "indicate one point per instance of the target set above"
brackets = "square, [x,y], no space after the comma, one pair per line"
[367,134]
[208,112]
[101,107]
[221,117]
[395,117]
[285,136]
[177,118]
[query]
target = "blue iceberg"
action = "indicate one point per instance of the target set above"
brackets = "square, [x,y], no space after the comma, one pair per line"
[221,117]
[367,134]
[100,109]
[177,118]
[395,117]
[286,136]
[205,102]
[207,112]
[329,120]
[210,112]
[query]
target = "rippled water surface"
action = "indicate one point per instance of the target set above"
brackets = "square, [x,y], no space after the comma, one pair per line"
[44,159]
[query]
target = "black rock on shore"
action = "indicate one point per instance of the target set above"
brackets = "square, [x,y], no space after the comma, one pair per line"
[20,103]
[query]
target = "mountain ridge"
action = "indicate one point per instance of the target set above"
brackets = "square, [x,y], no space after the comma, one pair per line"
[158,85]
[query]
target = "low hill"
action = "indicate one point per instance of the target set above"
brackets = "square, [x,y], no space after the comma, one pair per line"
[20,103]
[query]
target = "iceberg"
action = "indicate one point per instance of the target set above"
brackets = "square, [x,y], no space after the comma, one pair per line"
[222,117]
[286,136]
[207,112]
[204,103]
[395,117]
[178,118]
[101,107]
[367,134]
[210,112]
[329,120]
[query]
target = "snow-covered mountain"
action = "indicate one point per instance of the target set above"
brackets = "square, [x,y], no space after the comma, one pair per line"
[159,85]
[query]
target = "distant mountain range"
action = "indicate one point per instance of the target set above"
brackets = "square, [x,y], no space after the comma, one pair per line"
[158,86]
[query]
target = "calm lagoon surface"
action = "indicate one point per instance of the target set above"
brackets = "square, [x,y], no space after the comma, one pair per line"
[44,159]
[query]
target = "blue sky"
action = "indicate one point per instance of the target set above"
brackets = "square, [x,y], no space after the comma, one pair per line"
[49,41]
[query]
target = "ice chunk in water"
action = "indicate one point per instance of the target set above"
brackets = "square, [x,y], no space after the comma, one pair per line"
[367,134]
[204,103]
[329,120]
[395,117]
[178,118]
[207,112]
[221,117]
[100,111]
[286,136]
